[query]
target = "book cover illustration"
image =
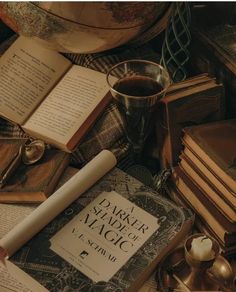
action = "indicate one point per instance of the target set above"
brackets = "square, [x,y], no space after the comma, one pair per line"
[105,235]
[56,274]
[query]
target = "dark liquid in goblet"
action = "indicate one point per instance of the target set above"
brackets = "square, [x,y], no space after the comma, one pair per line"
[138,86]
[137,113]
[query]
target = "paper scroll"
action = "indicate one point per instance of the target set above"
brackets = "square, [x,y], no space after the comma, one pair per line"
[57,202]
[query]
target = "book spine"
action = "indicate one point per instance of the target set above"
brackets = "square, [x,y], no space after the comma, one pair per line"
[210,177]
[206,211]
[210,194]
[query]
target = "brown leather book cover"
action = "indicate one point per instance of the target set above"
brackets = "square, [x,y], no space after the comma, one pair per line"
[215,143]
[190,106]
[30,183]
[194,198]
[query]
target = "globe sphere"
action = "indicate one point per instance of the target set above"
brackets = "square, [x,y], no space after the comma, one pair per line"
[85,27]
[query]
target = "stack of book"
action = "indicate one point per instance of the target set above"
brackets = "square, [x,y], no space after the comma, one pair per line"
[197,100]
[205,179]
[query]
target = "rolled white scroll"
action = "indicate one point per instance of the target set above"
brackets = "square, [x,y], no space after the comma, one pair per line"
[58,201]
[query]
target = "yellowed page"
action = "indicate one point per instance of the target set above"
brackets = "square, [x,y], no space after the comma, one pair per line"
[14,279]
[68,104]
[12,214]
[58,201]
[27,73]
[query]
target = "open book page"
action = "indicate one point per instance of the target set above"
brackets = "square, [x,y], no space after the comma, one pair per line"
[68,105]
[27,72]
[12,214]
[14,279]
[58,201]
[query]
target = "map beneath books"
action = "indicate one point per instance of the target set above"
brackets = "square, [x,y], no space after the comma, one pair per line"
[101,25]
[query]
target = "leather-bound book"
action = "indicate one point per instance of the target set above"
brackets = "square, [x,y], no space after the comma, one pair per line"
[215,144]
[183,106]
[209,177]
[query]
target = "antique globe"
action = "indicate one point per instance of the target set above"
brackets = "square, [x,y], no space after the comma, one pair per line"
[86,27]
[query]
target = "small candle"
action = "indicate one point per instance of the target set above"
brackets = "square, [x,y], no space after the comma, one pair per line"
[201,248]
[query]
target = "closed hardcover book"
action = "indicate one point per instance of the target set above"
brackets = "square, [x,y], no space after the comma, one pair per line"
[30,183]
[211,179]
[209,192]
[195,199]
[189,83]
[64,257]
[215,143]
[197,103]
[213,51]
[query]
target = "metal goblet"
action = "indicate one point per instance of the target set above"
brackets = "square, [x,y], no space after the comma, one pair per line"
[137,86]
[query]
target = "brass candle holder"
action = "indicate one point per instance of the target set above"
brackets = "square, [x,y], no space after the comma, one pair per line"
[198,279]
[196,267]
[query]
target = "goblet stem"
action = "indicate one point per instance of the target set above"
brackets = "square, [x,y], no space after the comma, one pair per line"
[138,122]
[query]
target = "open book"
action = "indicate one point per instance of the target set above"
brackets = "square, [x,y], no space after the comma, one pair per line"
[101,227]
[46,95]
[14,279]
